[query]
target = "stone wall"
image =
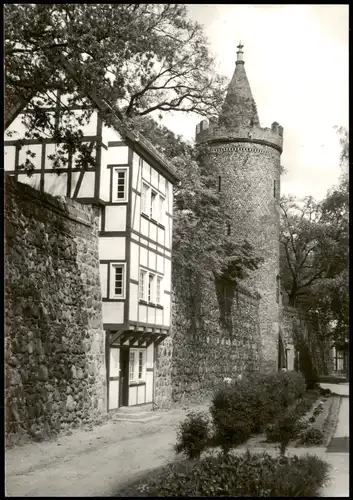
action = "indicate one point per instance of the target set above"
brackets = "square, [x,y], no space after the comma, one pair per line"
[293,323]
[200,352]
[54,343]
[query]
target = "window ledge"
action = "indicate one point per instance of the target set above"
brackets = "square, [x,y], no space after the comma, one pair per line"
[134,384]
[145,216]
[146,303]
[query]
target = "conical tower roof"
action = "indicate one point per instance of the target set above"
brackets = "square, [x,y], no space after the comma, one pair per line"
[239,107]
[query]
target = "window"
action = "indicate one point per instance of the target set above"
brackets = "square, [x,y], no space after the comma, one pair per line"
[140,365]
[274,189]
[117,281]
[151,287]
[228,227]
[158,290]
[153,206]
[137,367]
[144,198]
[143,284]
[152,203]
[132,366]
[118,284]
[219,183]
[161,210]
[120,185]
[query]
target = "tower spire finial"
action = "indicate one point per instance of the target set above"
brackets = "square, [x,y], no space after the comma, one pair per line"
[240,54]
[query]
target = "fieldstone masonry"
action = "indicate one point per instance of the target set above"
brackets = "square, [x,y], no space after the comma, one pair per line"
[200,354]
[55,375]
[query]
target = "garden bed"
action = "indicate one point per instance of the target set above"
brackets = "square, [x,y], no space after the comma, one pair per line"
[246,474]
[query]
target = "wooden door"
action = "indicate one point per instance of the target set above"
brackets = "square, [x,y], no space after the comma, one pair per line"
[124,376]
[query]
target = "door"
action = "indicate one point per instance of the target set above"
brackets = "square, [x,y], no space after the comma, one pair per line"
[124,376]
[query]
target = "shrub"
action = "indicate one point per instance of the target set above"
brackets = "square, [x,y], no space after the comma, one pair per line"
[311,437]
[193,435]
[285,429]
[230,412]
[253,475]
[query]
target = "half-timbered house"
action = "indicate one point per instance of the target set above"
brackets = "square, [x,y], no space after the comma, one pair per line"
[132,184]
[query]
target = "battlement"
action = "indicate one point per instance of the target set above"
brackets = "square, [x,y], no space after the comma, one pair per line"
[209,131]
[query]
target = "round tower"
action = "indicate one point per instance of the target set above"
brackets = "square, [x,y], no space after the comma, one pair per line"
[245,158]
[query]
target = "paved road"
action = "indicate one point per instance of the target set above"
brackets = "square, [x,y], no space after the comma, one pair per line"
[337,453]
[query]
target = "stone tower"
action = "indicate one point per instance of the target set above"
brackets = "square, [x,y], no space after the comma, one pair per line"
[246,160]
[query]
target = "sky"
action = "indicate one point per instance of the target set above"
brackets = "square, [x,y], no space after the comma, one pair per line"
[296,60]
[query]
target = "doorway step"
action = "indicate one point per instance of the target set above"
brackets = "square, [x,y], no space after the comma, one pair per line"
[139,413]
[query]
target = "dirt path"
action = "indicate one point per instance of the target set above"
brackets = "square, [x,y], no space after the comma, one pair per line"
[94,463]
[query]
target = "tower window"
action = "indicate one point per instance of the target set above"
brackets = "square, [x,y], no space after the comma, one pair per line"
[228,228]
[274,189]
[219,183]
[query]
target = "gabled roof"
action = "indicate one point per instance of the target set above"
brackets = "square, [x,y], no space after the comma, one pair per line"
[239,107]
[111,116]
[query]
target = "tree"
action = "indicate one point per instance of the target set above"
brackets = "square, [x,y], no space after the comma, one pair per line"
[314,251]
[141,57]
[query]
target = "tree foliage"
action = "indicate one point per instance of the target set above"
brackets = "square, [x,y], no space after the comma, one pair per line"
[140,57]
[314,251]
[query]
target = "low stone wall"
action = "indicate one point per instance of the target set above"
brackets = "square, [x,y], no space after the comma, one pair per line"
[54,342]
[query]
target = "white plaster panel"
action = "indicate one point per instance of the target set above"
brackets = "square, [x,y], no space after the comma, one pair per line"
[153,231]
[159,316]
[17,128]
[103,273]
[167,235]
[33,181]
[115,218]
[144,226]
[141,394]
[87,186]
[152,246]
[152,260]
[161,184]
[149,387]
[134,261]
[104,189]
[113,312]
[55,184]
[133,302]
[167,311]
[143,256]
[89,128]
[154,178]
[142,313]
[150,356]
[134,237]
[146,171]
[34,148]
[112,248]
[132,395]
[117,155]
[167,275]
[109,134]
[136,172]
[160,236]
[113,394]
[170,197]
[136,209]
[160,267]
[114,362]
[151,315]
[9,158]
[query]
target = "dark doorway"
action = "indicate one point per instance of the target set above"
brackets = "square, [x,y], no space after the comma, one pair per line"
[124,377]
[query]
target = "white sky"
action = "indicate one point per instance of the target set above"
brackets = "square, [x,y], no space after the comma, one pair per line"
[296,59]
